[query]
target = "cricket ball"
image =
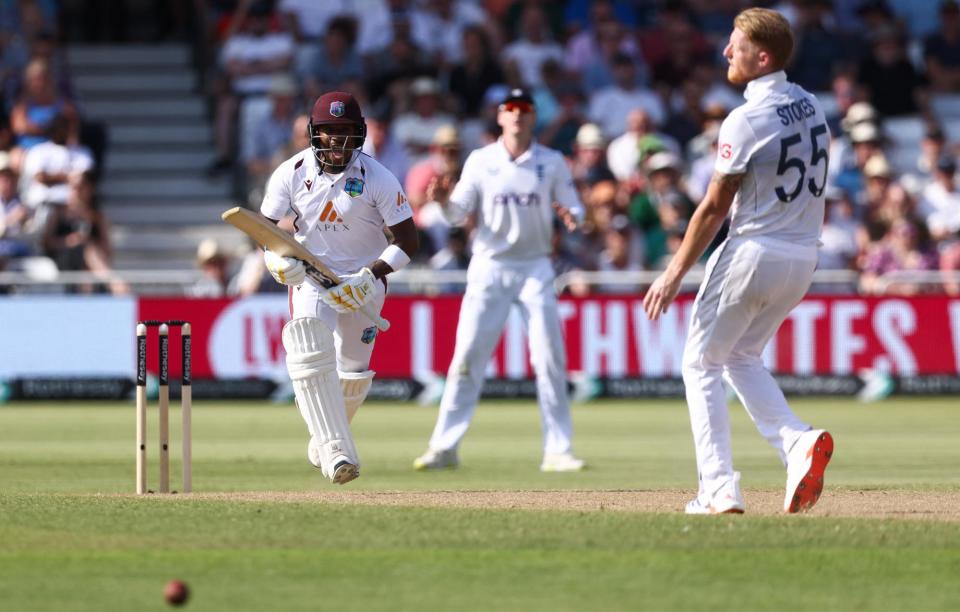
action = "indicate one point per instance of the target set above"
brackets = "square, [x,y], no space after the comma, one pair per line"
[176,593]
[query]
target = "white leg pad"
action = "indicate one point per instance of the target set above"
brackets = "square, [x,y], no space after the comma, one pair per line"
[355,387]
[312,364]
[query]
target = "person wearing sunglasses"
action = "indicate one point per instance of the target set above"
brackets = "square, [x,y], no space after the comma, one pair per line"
[514,189]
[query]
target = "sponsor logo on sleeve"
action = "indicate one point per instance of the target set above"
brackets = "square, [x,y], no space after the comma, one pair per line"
[726,151]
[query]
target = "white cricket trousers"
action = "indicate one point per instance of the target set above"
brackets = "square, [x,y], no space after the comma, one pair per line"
[492,288]
[751,285]
[353,333]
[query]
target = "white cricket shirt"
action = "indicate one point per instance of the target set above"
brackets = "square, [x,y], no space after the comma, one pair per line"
[513,200]
[779,141]
[339,217]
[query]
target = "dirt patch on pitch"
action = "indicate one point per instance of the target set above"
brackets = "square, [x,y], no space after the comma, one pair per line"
[931,505]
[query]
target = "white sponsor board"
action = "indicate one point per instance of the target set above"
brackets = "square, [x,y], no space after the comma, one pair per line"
[67,336]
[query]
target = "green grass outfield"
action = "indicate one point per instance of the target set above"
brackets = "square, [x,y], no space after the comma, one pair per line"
[73,538]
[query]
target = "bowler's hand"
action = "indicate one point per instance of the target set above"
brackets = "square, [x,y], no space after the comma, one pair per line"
[569,221]
[660,295]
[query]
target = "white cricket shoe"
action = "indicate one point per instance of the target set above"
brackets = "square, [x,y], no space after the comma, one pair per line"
[344,471]
[437,460]
[728,500]
[806,462]
[561,462]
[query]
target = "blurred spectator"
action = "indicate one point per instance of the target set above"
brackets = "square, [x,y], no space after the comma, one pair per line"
[297,141]
[609,106]
[250,59]
[477,71]
[524,57]
[950,264]
[839,239]
[337,66]
[455,255]
[600,39]
[899,250]
[393,69]
[271,132]
[664,208]
[893,85]
[561,132]
[613,41]
[941,51]
[49,166]
[940,203]
[674,46]
[441,27]
[817,44]
[623,154]
[589,165]
[37,105]
[845,94]
[381,144]
[618,254]
[13,216]
[415,129]
[214,263]
[444,159]
[77,235]
[865,142]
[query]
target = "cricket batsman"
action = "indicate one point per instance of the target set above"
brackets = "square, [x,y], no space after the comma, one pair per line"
[341,200]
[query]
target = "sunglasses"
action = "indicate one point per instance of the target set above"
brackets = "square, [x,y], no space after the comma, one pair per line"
[522,107]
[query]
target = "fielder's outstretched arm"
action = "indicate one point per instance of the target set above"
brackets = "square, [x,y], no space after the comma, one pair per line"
[704,225]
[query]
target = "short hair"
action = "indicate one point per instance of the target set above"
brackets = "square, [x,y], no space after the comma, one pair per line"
[770,30]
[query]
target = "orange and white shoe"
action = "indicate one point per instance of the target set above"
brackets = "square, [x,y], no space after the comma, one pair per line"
[728,500]
[806,462]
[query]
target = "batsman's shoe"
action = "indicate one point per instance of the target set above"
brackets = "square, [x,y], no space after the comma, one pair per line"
[344,471]
[806,463]
[561,462]
[437,460]
[728,500]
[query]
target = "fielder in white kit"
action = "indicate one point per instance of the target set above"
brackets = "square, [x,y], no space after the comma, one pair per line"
[514,188]
[771,168]
[342,200]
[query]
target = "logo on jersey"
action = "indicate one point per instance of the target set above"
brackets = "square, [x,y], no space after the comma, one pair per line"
[518,199]
[369,335]
[331,221]
[337,108]
[353,187]
[308,183]
[726,151]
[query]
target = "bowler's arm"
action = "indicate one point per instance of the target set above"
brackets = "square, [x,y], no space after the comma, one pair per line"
[703,228]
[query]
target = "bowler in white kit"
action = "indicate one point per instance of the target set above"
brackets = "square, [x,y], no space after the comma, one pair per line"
[514,188]
[771,171]
[342,201]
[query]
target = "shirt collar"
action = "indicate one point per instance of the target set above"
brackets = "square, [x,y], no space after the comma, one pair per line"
[764,84]
[505,154]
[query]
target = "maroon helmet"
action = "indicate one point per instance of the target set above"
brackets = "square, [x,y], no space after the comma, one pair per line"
[336,108]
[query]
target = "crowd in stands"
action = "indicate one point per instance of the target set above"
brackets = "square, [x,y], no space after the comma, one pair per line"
[632,92]
[49,155]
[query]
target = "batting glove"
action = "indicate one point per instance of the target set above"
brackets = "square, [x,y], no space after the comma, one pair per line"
[354,291]
[285,270]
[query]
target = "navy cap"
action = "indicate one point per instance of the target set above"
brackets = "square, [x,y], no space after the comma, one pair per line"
[518,95]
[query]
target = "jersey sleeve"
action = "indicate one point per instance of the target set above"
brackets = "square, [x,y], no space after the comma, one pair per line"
[277,199]
[466,194]
[736,144]
[565,193]
[390,198]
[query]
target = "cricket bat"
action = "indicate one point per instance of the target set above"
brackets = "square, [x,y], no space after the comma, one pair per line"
[265,232]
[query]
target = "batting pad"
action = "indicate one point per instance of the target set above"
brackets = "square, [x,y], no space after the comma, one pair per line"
[355,386]
[312,364]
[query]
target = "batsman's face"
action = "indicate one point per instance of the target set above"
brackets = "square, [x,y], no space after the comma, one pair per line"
[746,61]
[337,140]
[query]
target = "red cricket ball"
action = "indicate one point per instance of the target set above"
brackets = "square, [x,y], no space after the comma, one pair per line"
[176,593]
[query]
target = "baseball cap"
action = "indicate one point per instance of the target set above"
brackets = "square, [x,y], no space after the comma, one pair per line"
[664,160]
[336,107]
[424,86]
[517,95]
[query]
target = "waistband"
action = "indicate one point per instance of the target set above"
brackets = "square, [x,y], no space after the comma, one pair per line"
[788,249]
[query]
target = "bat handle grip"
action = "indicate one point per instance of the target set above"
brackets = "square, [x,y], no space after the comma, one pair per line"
[381,323]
